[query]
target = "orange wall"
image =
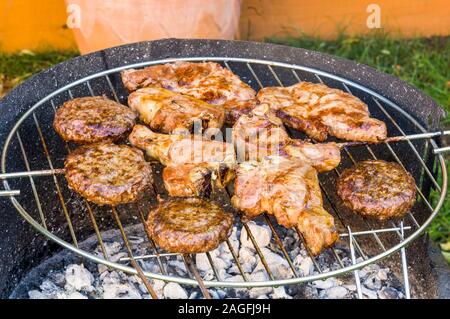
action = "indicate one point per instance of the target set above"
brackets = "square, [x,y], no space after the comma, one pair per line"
[262,18]
[40,24]
[34,25]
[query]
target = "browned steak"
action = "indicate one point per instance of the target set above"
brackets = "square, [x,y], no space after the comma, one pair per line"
[189,225]
[168,111]
[93,119]
[108,174]
[319,110]
[206,81]
[289,190]
[377,189]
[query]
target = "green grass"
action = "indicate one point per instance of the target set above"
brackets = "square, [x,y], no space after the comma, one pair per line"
[425,63]
[14,68]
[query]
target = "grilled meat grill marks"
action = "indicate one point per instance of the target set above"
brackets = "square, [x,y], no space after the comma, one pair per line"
[189,225]
[290,191]
[319,110]
[378,189]
[93,119]
[187,180]
[194,165]
[261,134]
[184,180]
[182,149]
[207,81]
[108,174]
[168,111]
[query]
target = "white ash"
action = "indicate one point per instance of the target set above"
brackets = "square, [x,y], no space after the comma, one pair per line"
[36,294]
[304,264]
[262,235]
[373,282]
[368,294]
[173,290]
[278,265]
[79,279]
[280,293]
[389,293]
[336,292]
[248,259]
[326,284]
[73,295]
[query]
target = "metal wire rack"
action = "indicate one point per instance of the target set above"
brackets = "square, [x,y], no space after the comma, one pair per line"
[366,239]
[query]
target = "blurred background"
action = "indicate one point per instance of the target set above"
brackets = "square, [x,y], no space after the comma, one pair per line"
[407,38]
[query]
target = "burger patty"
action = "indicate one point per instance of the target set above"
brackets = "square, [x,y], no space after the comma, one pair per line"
[93,119]
[377,189]
[189,225]
[108,174]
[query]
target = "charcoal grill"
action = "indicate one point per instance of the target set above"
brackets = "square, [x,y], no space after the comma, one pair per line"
[32,155]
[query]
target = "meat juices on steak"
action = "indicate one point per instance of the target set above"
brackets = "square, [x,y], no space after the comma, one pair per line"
[290,191]
[108,174]
[189,225]
[319,110]
[93,119]
[378,189]
[261,133]
[207,81]
[169,112]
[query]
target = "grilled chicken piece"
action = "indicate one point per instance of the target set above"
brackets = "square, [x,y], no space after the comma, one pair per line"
[207,81]
[169,112]
[187,180]
[184,180]
[174,149]
[194,165]
[262,134]
[290,191]
[318,110]
[322,156]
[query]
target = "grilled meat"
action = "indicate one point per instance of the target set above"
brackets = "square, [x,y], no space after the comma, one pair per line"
[93,119]
[169,112]
[184,180]
[108,174]
[377,189]
[290,191]
[189,225]
[322,156]
[318,110]
[187,180]
[261,134]
[182,149]
[194,165]
[207,81]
